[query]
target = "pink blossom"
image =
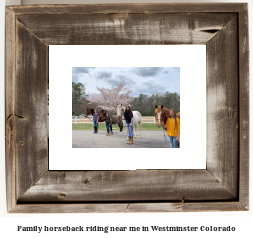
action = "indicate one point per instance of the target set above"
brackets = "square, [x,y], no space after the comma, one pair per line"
[109,98]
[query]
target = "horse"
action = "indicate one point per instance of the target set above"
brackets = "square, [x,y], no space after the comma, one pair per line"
[161,116]
[92,111]
[115,120]
[136,117]
[89,111]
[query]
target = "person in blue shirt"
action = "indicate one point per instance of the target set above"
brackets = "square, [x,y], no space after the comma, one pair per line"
[129,124]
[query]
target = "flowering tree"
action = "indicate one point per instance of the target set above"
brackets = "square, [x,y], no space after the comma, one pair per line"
[109,98]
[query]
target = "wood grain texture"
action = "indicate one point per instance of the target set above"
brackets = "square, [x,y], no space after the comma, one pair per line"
[129,207]
[186,207]
[244,106]
[154,8]
[30,108]
[139,185]
[9,109]
[122,29]
[222,107]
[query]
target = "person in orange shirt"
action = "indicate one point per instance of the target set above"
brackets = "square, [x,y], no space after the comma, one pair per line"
[173,129]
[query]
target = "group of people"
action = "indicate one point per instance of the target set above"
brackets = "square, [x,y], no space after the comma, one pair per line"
[172,126]
[108,121]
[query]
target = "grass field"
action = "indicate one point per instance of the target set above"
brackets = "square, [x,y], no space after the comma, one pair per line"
[89,126]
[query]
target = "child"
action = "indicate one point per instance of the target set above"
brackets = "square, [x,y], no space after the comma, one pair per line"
[108,121]
[173,129]
[95,121]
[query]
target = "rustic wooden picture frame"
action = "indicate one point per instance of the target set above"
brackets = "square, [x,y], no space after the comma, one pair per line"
[223,186]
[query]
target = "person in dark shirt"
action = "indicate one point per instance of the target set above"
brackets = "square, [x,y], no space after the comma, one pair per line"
[108,121]
[129,124]
[95,121]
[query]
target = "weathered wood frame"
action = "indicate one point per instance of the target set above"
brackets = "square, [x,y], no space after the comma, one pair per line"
[223,186]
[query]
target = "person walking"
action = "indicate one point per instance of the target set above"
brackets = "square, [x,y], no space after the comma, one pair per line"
[129,124]
[173,129]
[108,122]
[95,121]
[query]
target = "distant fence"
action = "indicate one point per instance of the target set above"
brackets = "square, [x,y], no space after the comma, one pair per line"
[76,120]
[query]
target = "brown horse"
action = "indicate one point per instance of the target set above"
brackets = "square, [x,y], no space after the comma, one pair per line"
[89,111]
[161,116]
[115,119]
[92,111]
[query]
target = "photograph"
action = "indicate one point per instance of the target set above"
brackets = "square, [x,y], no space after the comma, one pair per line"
[114,102]
[125,107]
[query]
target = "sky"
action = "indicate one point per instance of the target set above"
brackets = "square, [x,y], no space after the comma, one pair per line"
[141,80]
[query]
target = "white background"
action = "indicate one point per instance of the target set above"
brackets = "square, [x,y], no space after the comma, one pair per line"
[242,220]
[192,90]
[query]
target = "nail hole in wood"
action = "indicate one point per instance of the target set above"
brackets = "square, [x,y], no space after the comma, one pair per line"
[183,199]
[61,195]
[86,181]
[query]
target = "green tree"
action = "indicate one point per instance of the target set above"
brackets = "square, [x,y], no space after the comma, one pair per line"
[145,104]
[141,98]
[78,97]
[141,102]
